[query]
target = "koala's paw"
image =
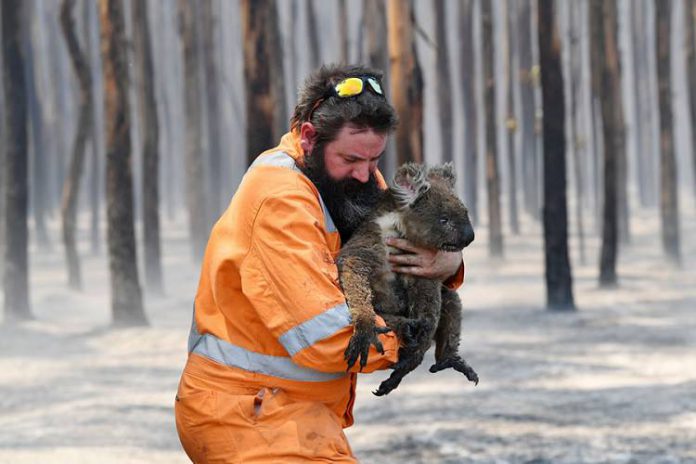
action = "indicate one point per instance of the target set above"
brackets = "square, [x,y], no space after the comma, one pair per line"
[415,332]
[359,345]
[387,386]
[459,365]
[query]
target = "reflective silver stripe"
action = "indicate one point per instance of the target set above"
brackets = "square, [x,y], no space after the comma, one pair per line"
[315,329]
[279,159]
[226,353]
[283,160]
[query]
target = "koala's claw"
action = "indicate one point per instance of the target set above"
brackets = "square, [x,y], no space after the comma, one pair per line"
[386,387]
[359,345]
[459,365]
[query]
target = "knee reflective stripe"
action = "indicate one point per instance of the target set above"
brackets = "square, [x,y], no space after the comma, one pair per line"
[315,329]
[226,353]
[283,160]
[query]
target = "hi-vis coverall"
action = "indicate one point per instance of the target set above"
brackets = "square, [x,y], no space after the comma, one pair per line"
[266,381]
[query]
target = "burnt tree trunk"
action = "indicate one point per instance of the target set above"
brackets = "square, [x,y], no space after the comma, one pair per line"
[528,79]
[578,139]
[212,93]
[343,32]
[444,83]
[669,200]
[406,81]
[145,81]
[495,227]
[257,76]
[603,26]
[374,27]
[312,29]
[642,52]
[691,75]
[468,72]
[95,194]
[280,114]
[559,282]
[511,122]
[71,185]
[15,169]
[195,190]
[126,298]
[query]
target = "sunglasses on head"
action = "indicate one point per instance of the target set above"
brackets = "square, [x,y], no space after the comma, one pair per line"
[350,87]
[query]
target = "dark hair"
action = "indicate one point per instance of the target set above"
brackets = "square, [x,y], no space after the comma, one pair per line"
[365,110]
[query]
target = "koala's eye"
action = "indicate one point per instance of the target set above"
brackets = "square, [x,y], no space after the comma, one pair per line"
[444,220]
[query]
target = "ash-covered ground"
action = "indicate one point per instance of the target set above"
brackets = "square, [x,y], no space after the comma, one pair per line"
[614,382]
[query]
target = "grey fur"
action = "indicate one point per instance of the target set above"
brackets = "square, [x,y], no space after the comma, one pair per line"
[422,207]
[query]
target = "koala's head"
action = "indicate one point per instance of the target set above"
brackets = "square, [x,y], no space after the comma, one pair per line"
[431,214]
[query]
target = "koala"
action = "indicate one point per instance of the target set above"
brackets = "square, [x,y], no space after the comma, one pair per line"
[422,207]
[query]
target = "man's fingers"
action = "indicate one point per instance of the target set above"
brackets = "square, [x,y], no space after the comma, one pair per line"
[413,270]
[402,244]
[406,259]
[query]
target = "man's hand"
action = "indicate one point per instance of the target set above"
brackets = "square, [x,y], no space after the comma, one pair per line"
[423,262]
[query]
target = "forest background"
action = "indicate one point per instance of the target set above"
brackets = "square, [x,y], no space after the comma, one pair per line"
[128,125]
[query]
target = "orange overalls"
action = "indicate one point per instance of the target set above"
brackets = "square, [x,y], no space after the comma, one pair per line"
[266,380]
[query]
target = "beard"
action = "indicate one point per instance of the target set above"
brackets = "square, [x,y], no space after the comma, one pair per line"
[349,201]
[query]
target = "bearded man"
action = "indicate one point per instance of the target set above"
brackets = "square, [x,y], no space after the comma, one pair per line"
[266,379]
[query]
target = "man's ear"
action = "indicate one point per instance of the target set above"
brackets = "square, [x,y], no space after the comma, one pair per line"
[308,137]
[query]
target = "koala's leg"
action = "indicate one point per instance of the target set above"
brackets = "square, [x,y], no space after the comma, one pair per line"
[447,337]
[417,332]
[354,276]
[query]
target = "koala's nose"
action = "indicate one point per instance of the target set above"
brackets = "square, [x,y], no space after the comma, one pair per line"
[467,235]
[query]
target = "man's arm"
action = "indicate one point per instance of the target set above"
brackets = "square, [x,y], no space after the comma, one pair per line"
[292,275]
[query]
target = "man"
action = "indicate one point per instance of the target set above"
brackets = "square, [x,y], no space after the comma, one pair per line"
[266,379]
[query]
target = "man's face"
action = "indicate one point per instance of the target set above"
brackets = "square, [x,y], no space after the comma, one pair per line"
[354,154]
[343,171]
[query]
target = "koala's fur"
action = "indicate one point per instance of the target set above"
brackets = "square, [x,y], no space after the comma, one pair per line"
[422,207]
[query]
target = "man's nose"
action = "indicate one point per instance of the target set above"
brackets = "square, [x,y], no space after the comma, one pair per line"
[362,173]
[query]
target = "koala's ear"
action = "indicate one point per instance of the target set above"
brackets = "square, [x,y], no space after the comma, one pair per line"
[443,173]
[409,183]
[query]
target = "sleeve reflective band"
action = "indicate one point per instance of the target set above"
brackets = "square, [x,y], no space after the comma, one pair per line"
[317,328]
[223,352]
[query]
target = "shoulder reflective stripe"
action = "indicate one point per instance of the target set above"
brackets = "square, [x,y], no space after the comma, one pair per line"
[315,329]
[226,353]
[279,159]
[283,160]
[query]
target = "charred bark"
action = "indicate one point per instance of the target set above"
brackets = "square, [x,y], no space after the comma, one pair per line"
[528,81]
[691,76]
[511,122]
[559,284]
[669,200]
[195,190]
[126,298]
[495,226]
[15,170]
[406,81]
[145,82]
[71,185]
[444,83]
[257,76]
[468,73]
[312,29]
[603,27]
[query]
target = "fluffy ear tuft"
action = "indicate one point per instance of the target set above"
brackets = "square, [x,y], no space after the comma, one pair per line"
[443,173]
[409,183]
